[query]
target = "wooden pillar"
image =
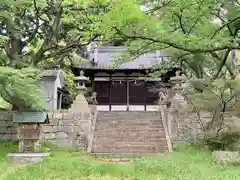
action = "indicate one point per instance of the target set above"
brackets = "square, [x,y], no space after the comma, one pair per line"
[146,95]
[92,77]
[60,101]
[109,91]
[127,81]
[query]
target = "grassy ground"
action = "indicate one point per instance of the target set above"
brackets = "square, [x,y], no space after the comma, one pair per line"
[186,163]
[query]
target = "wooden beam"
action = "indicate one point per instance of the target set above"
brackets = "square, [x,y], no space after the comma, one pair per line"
[130,78]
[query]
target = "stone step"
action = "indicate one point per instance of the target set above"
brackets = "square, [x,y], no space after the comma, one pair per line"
[129,132]
[134,130]
[137,147]
[131,125]
[124,137]
[124,155]
[132,145]
[128,127]
[128,150]
[127,138]
[127,119]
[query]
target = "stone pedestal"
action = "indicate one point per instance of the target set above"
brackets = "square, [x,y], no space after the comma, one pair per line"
[27,158]
[226,157]
[29,146]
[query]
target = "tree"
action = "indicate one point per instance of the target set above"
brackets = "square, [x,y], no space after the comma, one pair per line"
[220,98]
[199,34]
[21,88]
[37,32]
[32,32]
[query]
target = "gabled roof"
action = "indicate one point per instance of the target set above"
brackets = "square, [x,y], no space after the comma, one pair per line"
[104,57]
[53,73]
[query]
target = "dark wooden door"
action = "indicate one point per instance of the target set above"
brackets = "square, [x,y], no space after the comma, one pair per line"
[118,93]
[137,93]
[152,93]
[102,90]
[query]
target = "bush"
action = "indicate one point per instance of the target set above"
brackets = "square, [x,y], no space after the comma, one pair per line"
[225,141]
[221,99]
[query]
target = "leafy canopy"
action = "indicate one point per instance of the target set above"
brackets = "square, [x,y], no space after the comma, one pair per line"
[38,32]
[34,31]
[199,34]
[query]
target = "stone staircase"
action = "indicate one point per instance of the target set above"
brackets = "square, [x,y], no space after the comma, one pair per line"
[129,133]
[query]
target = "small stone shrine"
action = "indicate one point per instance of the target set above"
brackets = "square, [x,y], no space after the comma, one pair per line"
[29,131]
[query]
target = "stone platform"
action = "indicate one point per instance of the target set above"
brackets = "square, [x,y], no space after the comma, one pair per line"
[28,158]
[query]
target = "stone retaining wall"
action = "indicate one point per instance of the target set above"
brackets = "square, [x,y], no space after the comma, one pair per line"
[7,128]
[188,128]
[69,129]
[66,129]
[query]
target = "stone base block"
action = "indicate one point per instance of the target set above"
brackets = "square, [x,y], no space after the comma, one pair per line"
[28,158]
[226,157]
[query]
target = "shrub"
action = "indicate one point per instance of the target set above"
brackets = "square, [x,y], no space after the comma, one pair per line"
[221,99]
[21,88]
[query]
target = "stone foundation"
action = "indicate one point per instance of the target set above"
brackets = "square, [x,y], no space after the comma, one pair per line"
[189,128]
[66,129]
[69,129]
[27,158]
[226,157]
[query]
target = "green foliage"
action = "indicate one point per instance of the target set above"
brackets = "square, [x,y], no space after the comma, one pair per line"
[197,33]
[221,99]
[4,104]
[34,31]
[21,88]
[188,163]
[220,93]
[71,85]
[225,141]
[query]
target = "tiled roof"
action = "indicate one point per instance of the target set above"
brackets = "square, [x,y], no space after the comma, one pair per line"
[104,57]
[51,72]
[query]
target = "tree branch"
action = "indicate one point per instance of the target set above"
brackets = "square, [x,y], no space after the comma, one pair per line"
[47,43]
[158,7]
[180,22]
[225,25]
[223,62]
[215,55]
[33,34]
[69,48]
[177,46]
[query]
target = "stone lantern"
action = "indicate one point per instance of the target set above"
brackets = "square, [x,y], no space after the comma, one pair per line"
[81,82]
[80,108]
[177,82]
[178,103]
[178,99]
[80,101]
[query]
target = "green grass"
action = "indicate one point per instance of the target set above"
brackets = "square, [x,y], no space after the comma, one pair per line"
[187,163]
